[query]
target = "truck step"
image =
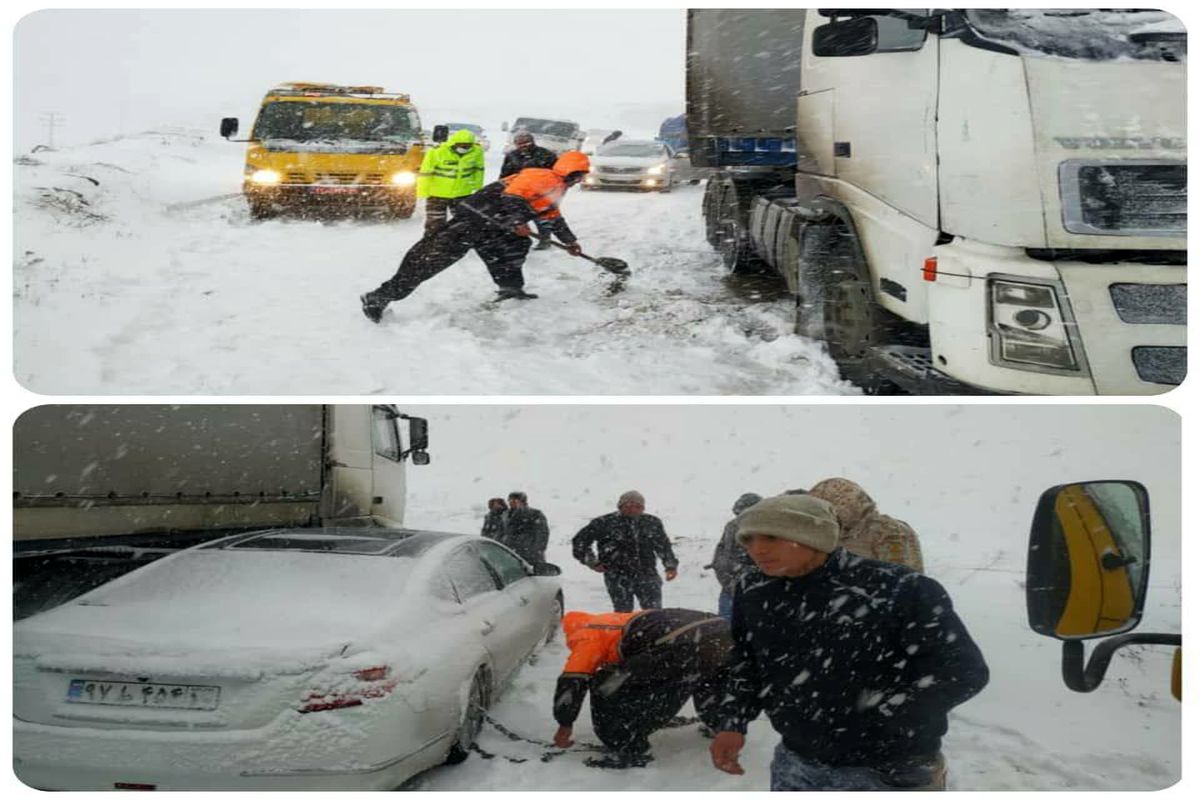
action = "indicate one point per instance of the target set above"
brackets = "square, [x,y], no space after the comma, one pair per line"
[912,370]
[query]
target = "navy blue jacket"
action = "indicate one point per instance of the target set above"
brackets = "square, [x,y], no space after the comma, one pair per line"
[856,664]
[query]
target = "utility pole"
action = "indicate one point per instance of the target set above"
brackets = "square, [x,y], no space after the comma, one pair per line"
[51,119]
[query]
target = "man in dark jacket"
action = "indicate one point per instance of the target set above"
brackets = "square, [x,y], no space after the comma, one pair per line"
[491,222]
[494,522]
[527,532]
[730,559]
[856,662]
[640,668]
[526,154]
[627,545]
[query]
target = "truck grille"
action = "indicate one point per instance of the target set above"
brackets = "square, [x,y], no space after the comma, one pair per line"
[1150,304]
[336,178]
[1166,365]
[1135,198]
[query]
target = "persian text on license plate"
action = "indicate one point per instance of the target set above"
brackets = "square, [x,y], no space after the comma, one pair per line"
[151,695]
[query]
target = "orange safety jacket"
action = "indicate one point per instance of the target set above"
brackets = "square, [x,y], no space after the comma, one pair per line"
[594,640]
[543,189]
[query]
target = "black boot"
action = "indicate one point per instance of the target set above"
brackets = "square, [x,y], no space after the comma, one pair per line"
[513,292]
[372,306]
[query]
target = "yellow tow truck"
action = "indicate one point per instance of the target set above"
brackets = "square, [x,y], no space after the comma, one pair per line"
[322,148]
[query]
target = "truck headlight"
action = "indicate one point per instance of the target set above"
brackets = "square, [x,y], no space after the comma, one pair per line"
[656,170]
[404,179]
[1029,327]
[265,177]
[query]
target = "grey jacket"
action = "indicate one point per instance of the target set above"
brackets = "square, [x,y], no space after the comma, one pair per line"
[730,559]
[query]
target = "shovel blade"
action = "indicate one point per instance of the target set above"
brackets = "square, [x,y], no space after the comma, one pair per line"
[613,265]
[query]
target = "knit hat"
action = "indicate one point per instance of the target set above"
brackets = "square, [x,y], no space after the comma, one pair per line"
[796,517]
[631,497]
[745,501]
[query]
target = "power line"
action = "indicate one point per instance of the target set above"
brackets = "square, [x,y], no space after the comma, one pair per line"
[52,120]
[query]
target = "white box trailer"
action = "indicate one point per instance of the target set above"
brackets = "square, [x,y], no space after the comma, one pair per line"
[962,201]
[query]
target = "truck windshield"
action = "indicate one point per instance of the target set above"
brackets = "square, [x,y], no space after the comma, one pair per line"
[1086,34]
[318,122]
[548,127]
[463,126]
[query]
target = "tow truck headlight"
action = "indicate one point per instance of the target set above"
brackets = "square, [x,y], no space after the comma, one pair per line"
[1029,328]
[657,170]
[404,179]
[265,177]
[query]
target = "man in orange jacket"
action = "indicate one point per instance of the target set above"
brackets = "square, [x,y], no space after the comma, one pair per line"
[640,668]
[492,222]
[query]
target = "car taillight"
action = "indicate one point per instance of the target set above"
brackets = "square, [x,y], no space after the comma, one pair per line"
[380,683]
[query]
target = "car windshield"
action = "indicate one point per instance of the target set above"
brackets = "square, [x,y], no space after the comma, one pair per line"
[548,127]
[462,126]
[640,149]
[317,122]
[1088,34]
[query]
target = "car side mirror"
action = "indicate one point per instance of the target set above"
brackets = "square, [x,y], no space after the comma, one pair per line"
[504,127]
[1089,552]
[546,570]
[858,36]
[441,133]
[229,127]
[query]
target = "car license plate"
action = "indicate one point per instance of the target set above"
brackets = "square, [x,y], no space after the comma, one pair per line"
[334,189]
[151,695]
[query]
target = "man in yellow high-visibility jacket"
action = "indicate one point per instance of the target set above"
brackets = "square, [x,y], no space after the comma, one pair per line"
[449,173]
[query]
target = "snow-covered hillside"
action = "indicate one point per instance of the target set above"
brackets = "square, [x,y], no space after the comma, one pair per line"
[138,271]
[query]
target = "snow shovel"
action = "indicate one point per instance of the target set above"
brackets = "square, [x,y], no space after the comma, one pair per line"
[614,265]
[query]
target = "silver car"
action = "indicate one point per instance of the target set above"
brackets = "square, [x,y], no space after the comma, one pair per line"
[288,659]
[632,164]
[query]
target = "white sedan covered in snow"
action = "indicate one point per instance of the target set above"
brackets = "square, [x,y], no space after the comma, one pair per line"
[286,659]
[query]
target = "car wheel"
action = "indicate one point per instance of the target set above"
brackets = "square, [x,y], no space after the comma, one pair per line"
[555,619]
[472,719]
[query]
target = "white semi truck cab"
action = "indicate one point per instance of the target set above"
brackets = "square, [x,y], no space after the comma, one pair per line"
[962,201]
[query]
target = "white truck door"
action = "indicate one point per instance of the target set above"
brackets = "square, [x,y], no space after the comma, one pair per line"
[884,112]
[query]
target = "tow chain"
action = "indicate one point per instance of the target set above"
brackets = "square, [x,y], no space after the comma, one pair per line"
[552,750]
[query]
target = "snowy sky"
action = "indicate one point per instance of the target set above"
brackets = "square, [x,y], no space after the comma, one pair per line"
[106,72]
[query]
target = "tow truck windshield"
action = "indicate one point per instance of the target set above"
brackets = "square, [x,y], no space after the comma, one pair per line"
[322,122]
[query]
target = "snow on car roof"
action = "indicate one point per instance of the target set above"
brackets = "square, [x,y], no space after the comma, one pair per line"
[394,542]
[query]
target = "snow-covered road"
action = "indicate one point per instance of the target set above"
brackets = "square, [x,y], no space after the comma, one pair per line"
[138,271]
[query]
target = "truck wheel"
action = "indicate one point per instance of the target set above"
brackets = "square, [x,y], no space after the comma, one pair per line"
[836,302]
[260,210]
[710,205]
[734,244]
[472,719]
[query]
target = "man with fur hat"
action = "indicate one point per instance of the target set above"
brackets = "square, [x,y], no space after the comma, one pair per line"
[864,530]
[640,668]
[626,546]
[856,662]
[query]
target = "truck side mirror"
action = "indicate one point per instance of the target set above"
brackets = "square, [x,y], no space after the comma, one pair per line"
[441,133]
[504,127]
[1089,548]
[420,458]
[858,36]
[418,433]
[229,127]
